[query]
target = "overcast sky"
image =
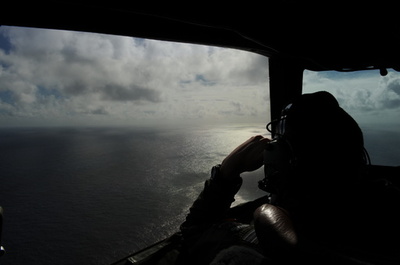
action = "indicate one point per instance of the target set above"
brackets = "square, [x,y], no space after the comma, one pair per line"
[369,97]
[50,77]
[55,78]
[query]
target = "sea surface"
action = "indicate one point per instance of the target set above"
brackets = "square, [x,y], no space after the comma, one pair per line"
[95,195]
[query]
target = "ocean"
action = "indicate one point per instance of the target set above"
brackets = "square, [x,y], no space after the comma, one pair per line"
[95,195]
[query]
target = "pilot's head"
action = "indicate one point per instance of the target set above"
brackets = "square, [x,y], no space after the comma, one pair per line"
[322,133]
[322,146]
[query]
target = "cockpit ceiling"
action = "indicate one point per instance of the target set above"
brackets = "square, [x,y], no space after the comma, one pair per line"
[324,35]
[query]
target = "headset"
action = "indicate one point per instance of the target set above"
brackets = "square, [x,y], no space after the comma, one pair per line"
[279,157]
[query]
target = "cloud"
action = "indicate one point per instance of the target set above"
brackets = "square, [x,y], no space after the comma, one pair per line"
[98,111]
[73,63]
[394,85]
[132,93]
[387,96]
[366,95]
[49,74]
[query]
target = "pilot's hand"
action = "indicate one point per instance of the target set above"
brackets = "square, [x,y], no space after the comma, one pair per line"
[246,157]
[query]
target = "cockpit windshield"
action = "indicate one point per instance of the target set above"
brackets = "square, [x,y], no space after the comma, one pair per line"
[106,140]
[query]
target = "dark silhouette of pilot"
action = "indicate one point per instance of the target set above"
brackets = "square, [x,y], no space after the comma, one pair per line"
[322,207]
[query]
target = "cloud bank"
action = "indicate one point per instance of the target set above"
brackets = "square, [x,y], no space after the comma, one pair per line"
[50,77]
[366,95]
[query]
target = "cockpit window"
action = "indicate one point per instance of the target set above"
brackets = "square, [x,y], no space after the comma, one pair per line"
[106,140]
[374,102]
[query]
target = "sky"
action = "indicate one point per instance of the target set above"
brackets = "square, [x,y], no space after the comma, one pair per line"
[64,78]
[370,98]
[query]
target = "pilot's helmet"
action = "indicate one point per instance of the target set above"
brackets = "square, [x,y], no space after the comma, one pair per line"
[321,132]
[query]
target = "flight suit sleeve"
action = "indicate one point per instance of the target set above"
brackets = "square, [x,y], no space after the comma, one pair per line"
[211,205]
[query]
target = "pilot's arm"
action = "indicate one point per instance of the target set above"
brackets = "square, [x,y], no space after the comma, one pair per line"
[219,191]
